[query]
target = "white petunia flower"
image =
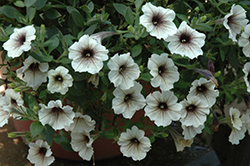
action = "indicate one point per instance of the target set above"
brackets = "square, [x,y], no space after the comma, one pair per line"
[235,118]
[40,153]
[190,132]
[82,143]
[179,141]
[244,41]
[235,20]
[194,111]
[237,135]
[127,102]
[33,72]
[124,71]
[59,80]
[245,118]
[87,55]
[246,70]
[81,123]
[204,89]
[134,144]
[158,21]
[163,70]
[4,113]
[14,98]
[162,108]
[55,115]
[186,41]
[20,41]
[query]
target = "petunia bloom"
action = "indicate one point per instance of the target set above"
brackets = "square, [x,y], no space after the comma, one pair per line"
[244,41]
[33,72]
[158,21]
[235,20]
[235,118]
[4,113]
[56,115]
[246,70]
[40,153]
[134,144]
[123,71]
[82,143]
[204,89]
[127,102]
[59,80]
[163,70]
[194,111]
[186,41]
[87,55]
[20,41]
[162,108]
[190,132]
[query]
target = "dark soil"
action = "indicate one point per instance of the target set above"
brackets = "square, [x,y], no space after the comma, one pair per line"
[13,152]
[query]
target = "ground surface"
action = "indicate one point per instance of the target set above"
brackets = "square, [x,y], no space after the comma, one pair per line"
[13,152]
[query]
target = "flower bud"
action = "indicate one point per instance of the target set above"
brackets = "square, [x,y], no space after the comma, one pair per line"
[130,28]
[216,123]
[12,84]
[16,134]
[35,108]
[210,66]
[18,89]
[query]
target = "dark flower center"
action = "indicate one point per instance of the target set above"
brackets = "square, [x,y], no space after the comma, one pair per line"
[59,78]
[87,53]
[191,108]
[127,98]
[122,69]
[135,141]
[161,70]
[56,111]
[185,38]
[22,39]
[201,89]
[163,106]
[34,66]
[42,151]
[86,139]
[13,102]
[156,20]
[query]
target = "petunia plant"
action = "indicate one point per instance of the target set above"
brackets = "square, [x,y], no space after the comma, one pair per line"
[81,71]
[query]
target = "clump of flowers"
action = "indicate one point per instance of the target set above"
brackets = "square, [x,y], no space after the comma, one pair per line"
[82,72]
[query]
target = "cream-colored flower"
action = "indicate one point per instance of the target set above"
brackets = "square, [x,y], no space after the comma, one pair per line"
[237,135]
[204,89]
[40,153]
[123,71]
[163,70]
[81,123]
[20,41]
[244,41]
[190,132]
[56,115]
[127,102]
[134,144]
[162,108]
[33,72]
[87,55]
[158,21]
[194,111]
[235,118]
[235,20]
[82,143]
[59,80]
[186,41]
[4,113]
[246,70]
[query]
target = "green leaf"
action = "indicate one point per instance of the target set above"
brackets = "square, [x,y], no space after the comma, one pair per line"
[233,58]
[52,43]
[41,57]
[19,4]
[48,134]
[31,12]
[138,4]
[91,6]
[12,12]
[29,100]
[91,29]
[29,3]
[3,35]
[183,17]
[67,146]
[43,94]
[136,50]
[76,16]
[129,17]
[203,27]
[229,96]
[152,138]
[52,14]
[36,128]
[40,4]
[109,134]
[120,8]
